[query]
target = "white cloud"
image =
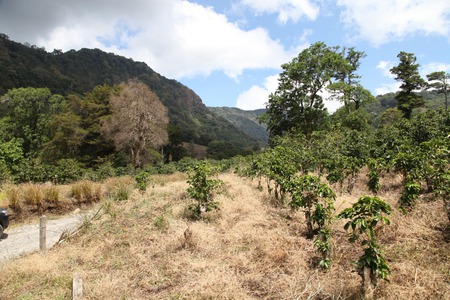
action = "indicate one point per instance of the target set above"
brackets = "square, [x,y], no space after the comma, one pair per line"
[393,86]
[385,67]
[387,88]
[382,21]
[434,67]
[390,87]
[177,38]
[257,96]
[287,10]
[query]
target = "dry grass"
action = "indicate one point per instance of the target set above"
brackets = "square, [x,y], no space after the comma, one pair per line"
[13,196]
[86,191]
[32,194]
[144,248]
[119,188]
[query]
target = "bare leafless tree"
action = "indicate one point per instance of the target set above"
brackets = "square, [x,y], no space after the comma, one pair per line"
[139,121]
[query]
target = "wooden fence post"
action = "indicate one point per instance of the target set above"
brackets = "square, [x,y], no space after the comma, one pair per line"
[43,234]
[77,287]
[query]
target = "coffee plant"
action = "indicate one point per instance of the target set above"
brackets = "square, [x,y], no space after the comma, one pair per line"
[363,217]
[202,187]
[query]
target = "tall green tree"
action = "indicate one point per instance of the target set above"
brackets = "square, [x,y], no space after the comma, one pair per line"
[440,81]
[346,87]
[297,104]
[407,72]
[92,109]
[28,112]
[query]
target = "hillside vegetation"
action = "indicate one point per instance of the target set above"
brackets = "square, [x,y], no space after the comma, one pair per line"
[79,72]
[245,120]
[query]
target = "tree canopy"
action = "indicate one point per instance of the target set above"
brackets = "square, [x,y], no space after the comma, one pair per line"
[407,72]
[139,120]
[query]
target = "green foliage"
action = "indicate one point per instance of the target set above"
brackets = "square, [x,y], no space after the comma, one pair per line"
[65,73]
[67,170]
[11,156]
[374,175]
[297,106]
[440,81]
[322,243]
[314,197]
[32,170]
[407,72]
[317,201]
[364,216]
[202,188]
[105,170]
[142,178]
[410,194]
[28,112]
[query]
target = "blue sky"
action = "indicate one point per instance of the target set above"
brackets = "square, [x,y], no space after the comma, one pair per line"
[230,52]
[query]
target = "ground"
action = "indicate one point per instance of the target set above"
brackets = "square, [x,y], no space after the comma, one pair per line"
[147,248]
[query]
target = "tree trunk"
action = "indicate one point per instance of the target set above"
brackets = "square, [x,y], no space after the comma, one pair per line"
[447,207]
[368,284]
[309,223]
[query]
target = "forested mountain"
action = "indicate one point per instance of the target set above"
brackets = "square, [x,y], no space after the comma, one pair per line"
[246,120]
[433,100]
[78,72]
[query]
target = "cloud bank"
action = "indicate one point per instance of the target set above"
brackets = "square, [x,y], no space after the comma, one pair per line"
[176,38]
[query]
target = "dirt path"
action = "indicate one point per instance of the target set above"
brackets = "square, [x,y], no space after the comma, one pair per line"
[25,239]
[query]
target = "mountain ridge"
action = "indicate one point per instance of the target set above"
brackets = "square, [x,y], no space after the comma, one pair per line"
[80,71]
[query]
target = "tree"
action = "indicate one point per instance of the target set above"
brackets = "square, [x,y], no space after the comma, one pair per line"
[139,120]
[407,72]
[28,113]
[92,109]
[297,104]
[347,88]
[439,81]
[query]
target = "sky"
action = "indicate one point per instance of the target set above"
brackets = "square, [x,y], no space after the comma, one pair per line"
[230,51]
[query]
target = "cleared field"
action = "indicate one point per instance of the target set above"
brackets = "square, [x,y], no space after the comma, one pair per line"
[146,248]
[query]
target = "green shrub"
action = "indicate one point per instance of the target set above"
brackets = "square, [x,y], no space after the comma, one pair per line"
[105,170]
[142,179]
[67,170]
[202,187]
[364,216]
[410,194]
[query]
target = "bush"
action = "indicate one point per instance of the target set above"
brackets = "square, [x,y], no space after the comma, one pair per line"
[104,171]
[32,170]
[142,178]
[120,188]
[33,195]
[67,170]
[13,196]
[202,188]
[86,191]
[51,194]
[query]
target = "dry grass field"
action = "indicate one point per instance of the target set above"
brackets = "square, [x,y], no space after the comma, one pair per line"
[146,248]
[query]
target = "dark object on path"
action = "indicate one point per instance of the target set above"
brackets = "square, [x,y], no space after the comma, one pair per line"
[4,221]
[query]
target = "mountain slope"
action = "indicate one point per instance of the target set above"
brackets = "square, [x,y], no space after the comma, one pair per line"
[245,120]
[80,71]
